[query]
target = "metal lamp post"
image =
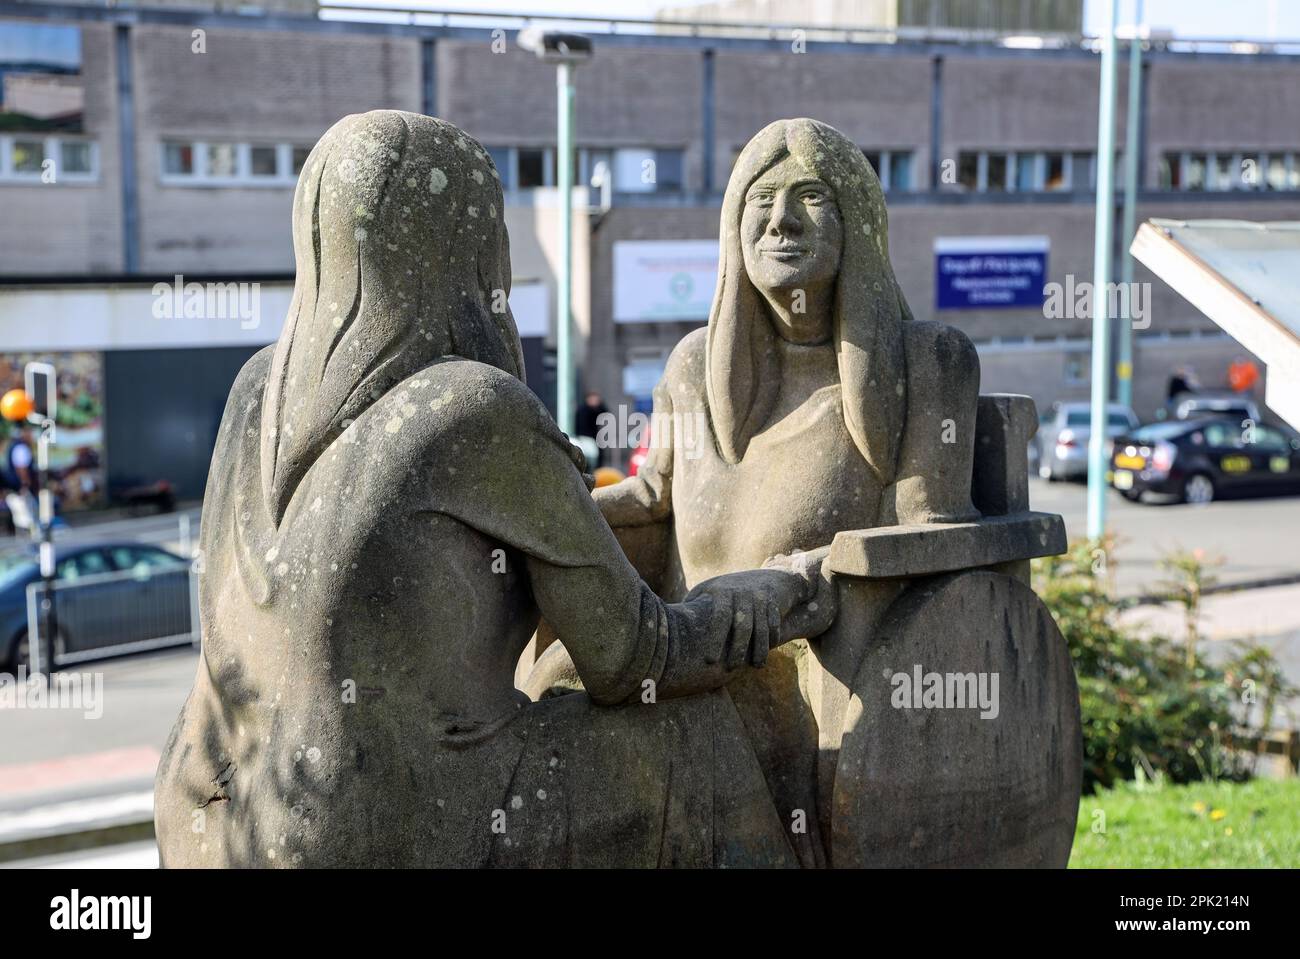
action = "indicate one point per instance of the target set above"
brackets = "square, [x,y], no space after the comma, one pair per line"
[1132,141]
[1101,279]
[566,51]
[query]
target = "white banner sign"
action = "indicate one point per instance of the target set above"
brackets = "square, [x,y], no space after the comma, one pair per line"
[664,280]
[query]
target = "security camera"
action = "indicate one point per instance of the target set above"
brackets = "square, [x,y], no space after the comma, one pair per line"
[551,46]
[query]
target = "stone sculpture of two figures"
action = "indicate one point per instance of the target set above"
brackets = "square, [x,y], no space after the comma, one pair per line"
[391,514]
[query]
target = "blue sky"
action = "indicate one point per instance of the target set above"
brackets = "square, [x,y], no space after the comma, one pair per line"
[1221,19]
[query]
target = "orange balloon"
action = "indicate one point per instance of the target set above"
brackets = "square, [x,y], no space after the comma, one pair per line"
[607,476]
[16,405]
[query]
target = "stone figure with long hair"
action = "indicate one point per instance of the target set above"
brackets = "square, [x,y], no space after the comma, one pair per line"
[389,512]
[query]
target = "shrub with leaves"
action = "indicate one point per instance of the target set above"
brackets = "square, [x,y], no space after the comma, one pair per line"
[1150,706]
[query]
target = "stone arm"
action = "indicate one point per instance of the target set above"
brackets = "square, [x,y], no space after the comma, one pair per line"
[624,640]
[617,631]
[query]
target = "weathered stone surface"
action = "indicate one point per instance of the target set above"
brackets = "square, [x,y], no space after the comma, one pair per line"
[985,783]
[388,513]
[813,410]
[391,514]
[893,552]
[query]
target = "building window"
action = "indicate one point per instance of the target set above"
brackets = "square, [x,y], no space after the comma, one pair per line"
[222,160]
[1245,170]
[28,155]
[27,158]
[263,161]
[1026,171]
[634,169]
[178,159]
[669,171]
[893,168]
[995,176]
[531,166]
[75,158]
[201,163]
[1083,172]
[900,171]
[1055,176]
[968,165]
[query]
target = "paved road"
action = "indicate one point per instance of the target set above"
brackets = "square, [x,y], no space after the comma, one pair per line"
[47,755]
[1257,538]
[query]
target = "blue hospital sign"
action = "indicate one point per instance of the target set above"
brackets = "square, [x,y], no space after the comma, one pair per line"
[989,272]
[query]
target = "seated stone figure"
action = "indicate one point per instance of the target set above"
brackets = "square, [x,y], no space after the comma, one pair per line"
[811,404]
[388,513]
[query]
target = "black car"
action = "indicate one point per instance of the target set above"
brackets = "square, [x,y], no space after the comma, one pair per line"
[109,598]
[1201,460]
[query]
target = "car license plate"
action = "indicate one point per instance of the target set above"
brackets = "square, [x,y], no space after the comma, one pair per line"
[1235,464]
[1123,479]
[1130,462]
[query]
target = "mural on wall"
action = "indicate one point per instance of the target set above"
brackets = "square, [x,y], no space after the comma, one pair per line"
[77,456]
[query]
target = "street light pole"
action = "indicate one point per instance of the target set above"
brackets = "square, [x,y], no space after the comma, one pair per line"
[1132,143]
[566,51]
[1101,255]
[565,372]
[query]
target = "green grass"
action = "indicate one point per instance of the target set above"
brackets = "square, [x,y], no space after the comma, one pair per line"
[1198,825]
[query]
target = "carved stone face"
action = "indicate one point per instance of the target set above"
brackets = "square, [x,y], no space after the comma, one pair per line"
[791,236]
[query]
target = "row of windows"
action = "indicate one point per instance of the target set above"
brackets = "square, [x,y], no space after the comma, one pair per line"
[1247,170]
[1024,171]
[633,169]
[650,170]
[24,157]
[224,164]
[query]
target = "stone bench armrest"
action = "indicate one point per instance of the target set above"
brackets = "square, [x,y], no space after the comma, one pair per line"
[901,552]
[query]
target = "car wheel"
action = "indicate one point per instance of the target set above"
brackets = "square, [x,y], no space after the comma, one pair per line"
[1132,495]
[22,651]
[1198,488]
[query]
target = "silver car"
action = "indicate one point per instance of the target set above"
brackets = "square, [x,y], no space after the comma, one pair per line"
[1062,441]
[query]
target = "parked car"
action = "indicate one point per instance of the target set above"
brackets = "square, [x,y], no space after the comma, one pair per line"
[109,598]
[1195,406]
[1200,460]
[1062,440]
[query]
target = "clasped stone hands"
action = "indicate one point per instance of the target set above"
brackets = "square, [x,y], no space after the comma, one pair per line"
[790,598]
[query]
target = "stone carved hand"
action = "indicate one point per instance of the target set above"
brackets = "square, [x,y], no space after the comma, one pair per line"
[751,609]
[817,612]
